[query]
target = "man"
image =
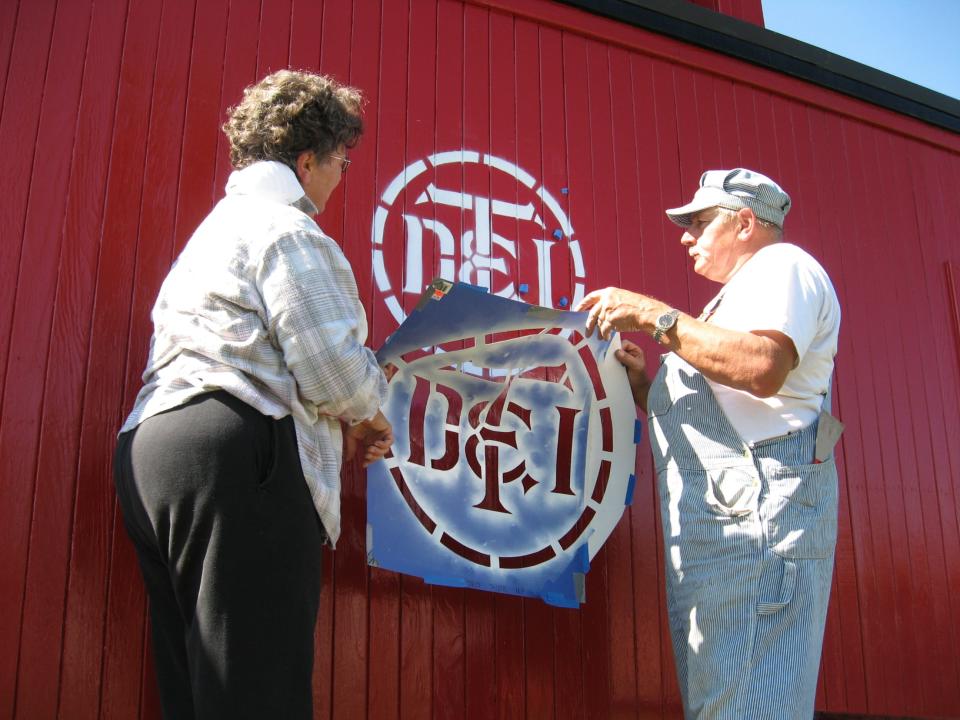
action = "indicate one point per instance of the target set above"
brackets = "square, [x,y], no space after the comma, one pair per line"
[742,443]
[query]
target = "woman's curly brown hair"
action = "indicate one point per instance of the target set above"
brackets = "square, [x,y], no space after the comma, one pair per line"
[291,111]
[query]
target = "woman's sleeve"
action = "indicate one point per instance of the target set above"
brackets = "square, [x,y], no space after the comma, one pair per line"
[315,316]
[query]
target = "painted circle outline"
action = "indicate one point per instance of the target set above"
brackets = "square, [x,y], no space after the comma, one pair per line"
[417,168]
[603,402]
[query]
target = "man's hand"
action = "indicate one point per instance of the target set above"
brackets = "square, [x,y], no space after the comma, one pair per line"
[614,309]
[632,358]
[370,439]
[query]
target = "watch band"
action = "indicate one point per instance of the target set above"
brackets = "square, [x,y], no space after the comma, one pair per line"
[664,323]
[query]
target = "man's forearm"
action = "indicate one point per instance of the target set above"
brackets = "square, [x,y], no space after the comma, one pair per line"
[755,363]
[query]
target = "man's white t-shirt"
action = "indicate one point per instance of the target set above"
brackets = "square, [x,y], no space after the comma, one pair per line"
[781,288]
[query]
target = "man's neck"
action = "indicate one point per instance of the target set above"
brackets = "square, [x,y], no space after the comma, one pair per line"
[752,250]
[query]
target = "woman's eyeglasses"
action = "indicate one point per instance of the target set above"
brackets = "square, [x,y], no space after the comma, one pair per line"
[344,163]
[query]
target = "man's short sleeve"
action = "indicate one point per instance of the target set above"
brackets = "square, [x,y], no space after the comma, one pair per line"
[781,288]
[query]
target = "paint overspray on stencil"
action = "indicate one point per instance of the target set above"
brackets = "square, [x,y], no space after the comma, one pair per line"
[514,447]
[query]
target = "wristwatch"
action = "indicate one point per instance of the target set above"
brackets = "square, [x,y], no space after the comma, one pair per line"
[664,323]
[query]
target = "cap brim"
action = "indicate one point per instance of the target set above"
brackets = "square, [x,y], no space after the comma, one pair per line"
[705,197]
[683,216]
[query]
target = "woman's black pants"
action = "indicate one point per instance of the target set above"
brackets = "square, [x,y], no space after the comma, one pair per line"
[214,499]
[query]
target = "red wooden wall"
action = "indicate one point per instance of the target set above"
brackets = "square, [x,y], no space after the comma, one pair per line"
[112,154]
[749,10]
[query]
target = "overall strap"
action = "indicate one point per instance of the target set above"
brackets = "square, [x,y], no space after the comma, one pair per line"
[679,399]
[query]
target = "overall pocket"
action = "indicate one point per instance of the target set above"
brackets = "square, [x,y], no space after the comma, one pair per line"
[659,401]
[732,491]
[799,511]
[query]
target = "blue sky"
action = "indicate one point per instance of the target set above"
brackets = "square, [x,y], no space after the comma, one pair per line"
[918,40]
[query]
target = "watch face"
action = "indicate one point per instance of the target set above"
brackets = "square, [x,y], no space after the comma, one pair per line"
[665,321]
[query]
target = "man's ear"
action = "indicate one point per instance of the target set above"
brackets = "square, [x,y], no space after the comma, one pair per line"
[305,164]
[748,223]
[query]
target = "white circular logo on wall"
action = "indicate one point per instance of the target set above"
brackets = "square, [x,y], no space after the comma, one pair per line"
[475,218]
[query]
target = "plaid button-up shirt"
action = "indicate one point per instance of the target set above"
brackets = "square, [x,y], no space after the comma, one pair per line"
[262,304]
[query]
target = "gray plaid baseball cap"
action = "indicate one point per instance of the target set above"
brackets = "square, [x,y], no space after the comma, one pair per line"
[735,189]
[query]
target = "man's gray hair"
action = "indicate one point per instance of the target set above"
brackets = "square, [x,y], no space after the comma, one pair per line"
[772,227]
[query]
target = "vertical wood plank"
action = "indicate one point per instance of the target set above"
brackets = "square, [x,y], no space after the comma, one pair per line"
[376,172]
[149,216]
[686,111]
[842,671]
[668,280]
[857,589]
[41,624]
[273,52]
[727,127]
[621,577]
[103,402]
[376,624]
[348,680]
[125,649]
[202,120]
[919,475]
[335,60]
[23,93]
[744,100]
[39,209]
[782,165]
[18,130]
[480,662]
[555,635]
[416,604]
[704,94]
[239,69]
[580,202]
[591,189]
[769,158]
[934,214]
[606,683]
[305,17]
[8,24]
[878,438]
[448,692]
[641,271]
[510,670]
[450,631]
[519,122]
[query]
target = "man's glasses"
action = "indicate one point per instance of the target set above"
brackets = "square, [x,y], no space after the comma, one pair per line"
[344,163]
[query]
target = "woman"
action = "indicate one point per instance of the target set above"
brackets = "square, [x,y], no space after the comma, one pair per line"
[227,469]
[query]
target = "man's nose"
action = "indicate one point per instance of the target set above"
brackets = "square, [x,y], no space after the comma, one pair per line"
[687,239]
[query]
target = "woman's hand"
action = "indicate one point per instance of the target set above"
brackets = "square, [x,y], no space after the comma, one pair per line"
[370,439]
